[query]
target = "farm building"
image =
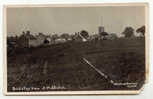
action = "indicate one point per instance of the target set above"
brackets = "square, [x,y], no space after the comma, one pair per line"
[112,36]
[77,37]
[59,40]
[39,40]
[28,40]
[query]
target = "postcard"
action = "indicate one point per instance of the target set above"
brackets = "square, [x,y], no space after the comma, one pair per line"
[75,49]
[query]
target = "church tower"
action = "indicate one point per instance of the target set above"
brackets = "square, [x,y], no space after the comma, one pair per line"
[101,28]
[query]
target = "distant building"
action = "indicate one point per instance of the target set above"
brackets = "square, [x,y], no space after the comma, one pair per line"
[28,40]
[101,29]
[112,36]
[94,37]
[60,40]
[41,39]
[83,39]
[103,35]
[77,37]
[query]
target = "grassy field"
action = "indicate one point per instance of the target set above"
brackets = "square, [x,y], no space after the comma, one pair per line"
[61,66]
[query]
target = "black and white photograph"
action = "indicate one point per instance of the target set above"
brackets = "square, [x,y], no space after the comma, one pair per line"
[75,48]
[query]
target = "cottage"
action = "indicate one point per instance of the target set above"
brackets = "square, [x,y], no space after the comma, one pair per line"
[79,38]
[60,40]
[112,36]
[41,39]
[28,40]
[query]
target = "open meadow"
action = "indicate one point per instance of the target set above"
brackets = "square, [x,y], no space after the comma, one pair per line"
[62,66]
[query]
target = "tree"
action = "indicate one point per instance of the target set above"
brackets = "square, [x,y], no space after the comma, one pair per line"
[65,36]
[113,36]
[103,35]
[46,41]
[84,33]
[128,32]
[54,37]
[141,30]
[28,32]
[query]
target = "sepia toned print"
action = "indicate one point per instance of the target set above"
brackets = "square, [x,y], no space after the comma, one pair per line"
[76,48]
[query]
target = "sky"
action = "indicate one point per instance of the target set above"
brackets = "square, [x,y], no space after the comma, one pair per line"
[51,20]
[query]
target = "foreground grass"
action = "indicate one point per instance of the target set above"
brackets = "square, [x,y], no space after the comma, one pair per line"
[61,67]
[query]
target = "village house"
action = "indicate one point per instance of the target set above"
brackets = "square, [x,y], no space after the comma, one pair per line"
[79,38]
[28,40]
[39,40]
[112,36]
[60,40]
[94,37]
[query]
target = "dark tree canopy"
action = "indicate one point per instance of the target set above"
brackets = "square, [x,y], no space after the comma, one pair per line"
[84,33]
[128,32]
[113,35]
[141,30]
[103,34]
[65,36]
[28,32]
[46,41]
[54,37]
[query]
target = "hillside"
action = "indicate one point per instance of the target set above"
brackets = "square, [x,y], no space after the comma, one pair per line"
[61,66]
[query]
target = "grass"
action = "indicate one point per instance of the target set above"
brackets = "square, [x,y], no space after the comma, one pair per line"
[60,66]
